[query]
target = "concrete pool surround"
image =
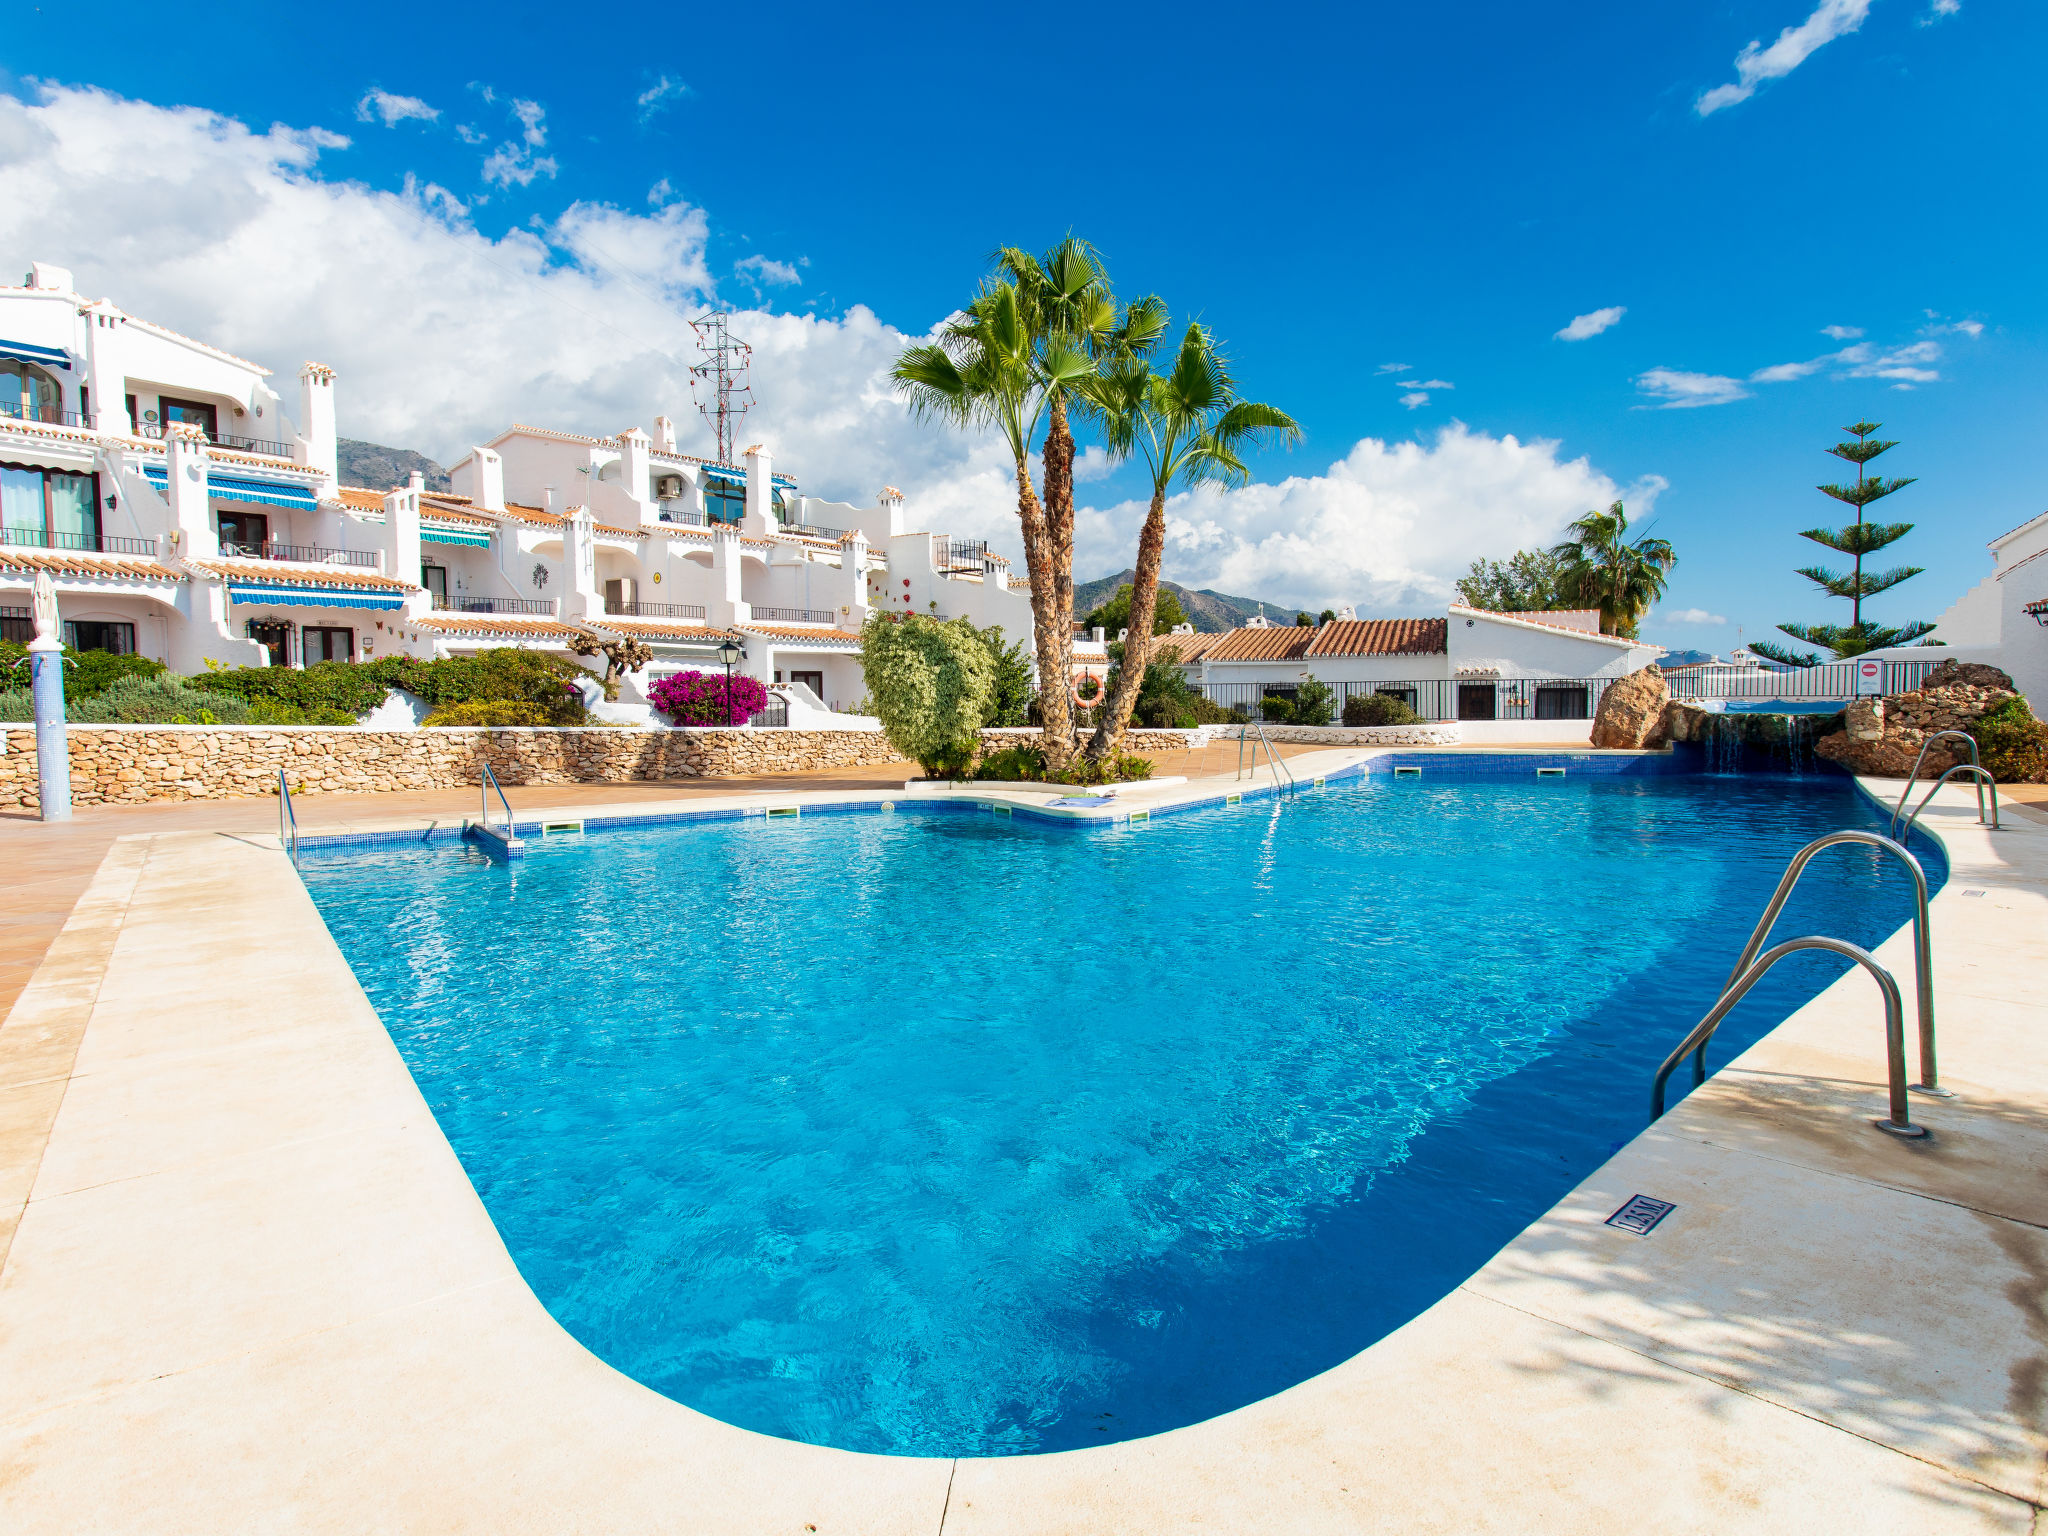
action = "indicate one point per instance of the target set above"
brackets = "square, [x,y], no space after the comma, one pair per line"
[250,1287]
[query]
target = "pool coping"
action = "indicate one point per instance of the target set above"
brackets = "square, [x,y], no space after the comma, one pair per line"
[177,1344]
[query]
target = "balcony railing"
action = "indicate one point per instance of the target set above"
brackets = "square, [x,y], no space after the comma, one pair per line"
[795,615]
[683,517]
[49,415]
[815,531]
[776,712]
[301,554]
[102,543]
[638,610]
[543,606]
[950,554]
[268,447]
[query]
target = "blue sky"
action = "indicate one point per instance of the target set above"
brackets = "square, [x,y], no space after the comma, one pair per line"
[1334,190]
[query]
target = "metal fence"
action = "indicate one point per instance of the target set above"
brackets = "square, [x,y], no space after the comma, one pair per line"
[302,554]
[1830,680]
[951,554]
[640,610]
[462,604]
[776,713]
[102,543]
[795,615]
[1442,698]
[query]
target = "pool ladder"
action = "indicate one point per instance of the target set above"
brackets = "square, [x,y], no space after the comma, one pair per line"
[287,818]
[1283,776]
[1978,774]
[1750,969]
[502,844]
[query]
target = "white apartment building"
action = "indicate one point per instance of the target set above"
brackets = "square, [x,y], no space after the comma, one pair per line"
[184,516]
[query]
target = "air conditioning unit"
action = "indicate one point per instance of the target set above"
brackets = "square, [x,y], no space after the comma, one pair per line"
[668,488]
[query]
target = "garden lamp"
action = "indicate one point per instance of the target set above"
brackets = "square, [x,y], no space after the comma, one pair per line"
[729,652]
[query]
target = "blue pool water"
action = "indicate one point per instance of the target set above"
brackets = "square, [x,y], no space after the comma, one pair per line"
[945,1134]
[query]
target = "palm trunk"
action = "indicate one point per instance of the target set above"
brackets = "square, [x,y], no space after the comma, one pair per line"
[1056,627]
[1054,701]
[1138,638]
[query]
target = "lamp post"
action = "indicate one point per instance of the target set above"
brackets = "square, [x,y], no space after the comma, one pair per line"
[729,652]
[46,671]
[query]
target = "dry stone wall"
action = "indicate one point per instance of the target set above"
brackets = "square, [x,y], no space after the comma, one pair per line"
[1882,737]
[124,764]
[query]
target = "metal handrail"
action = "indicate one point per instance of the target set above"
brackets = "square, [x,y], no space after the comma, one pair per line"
[1923,943]
[1979,776]
[287,817]
[1975,762]
[489,786]
[1695,1043]
[1281,772]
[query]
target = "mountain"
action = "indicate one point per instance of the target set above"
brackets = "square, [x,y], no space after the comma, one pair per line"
[1209,611]
[374,467]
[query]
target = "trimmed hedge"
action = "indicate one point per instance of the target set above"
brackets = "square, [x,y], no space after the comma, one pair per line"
[85,672]
[505,675]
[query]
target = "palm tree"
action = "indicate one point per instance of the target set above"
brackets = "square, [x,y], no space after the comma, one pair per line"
[1190,427]
[1616,574]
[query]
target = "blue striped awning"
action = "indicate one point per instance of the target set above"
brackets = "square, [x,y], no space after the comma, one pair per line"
[312,597]
[729,476]
[27,352]
[785,482]
[473,537]
[274,493]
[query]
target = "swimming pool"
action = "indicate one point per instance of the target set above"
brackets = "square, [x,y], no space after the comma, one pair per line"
[940,1133]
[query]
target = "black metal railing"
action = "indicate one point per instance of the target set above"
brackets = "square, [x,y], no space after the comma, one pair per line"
[683,517]
[776,713]
[816,531]
[1446,698]
[639,610]
[267,447]
[302,554]
[951,554]
[49,415]
[795,615]
[102,543]
[544,606]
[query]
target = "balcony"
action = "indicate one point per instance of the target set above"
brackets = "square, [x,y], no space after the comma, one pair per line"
[91,543]
[794,615]
[542,607]
[816,531]
[49,415]
[638,610]
[301,554]
[951,556]
[268,447]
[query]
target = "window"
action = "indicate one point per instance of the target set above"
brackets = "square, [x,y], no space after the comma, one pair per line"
[724,502]
[781,510]
[243,533]
[435,579]
[815,681]
[48,508]
[189,413]
[17,625]
[275,636]
[320,643]
[99,635]
[1476,701]
[1405,695]
[27,393]
[1562,703]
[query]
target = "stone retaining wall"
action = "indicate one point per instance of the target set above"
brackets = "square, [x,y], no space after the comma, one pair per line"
[1436,733]
[130,764]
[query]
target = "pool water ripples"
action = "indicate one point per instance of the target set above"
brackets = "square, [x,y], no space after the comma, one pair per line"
[947,1134]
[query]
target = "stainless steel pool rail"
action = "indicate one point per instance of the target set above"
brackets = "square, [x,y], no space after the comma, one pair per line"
[1694,1044]
[1967,740]
[488,787]
[1979,776]
[1749,968]
[1282,774]
[287,818]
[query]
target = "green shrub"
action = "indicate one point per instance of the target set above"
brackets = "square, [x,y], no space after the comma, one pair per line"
[1121,769]
[1277,708]
[17,705]
[166,700]
[2012,743]
[930,682]
[85,672]
[1314,702]
[1378,709]
[489,712]
[1015,764]
[341,692]
[331,686]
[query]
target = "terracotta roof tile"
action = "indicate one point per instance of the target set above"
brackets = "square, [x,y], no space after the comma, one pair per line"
[1187,649]
[280,571]
[1279,642]
[65,563]
[1585,620]
[486,624]
[1380,637]
[359,499]
[791,632]
[664,629]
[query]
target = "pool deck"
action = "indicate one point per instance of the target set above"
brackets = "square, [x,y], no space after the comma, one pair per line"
[249,1286]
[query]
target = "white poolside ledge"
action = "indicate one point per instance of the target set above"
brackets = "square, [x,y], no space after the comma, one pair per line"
[251,1288]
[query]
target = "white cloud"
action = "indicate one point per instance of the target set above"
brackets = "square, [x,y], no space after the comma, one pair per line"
[394,109]
[1785,373]
[1939,9]
[1393,368]
[1755,64]
[664,93]
[1692,616]
[1093,463]
[1909,363]
[1680,390]
[1427,384]
[1418,398]
[1842,332]
[765,271]
[1390,526]
[515,163]
[1593,324]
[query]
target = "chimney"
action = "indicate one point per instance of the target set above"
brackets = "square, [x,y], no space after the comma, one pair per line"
[664,434]
[48,278]
[760,490]
[318,446]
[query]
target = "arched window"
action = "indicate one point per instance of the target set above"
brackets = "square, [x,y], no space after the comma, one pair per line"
[27,393]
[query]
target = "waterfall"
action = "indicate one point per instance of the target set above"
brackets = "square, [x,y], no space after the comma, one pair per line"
[1759,743]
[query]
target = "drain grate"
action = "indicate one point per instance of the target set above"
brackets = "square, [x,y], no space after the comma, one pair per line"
[1407,773]
[785,810]
[1641,1214]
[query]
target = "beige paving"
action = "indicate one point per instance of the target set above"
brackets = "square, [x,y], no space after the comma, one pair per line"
[252,1289]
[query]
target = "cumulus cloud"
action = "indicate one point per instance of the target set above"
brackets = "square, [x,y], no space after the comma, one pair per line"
[1593,324]
[1692,616]
[1427,384]
[1679,390]
[1842,332]
[517,162]
[1393,368]
[764,271]
[1389,527]
[1785,373]
[1795,45]
[664,93]
[1418,398]
[394,109]
[1939,9]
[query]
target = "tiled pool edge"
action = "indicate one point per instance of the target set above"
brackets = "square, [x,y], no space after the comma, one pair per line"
[640,1461]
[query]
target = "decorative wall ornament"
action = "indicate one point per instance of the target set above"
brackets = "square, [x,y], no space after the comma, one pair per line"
[540,576]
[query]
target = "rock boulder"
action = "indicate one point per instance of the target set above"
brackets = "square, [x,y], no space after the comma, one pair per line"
[1631,712]
[1882,737]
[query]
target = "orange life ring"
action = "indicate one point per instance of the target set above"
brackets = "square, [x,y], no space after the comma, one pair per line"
[1088,701]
